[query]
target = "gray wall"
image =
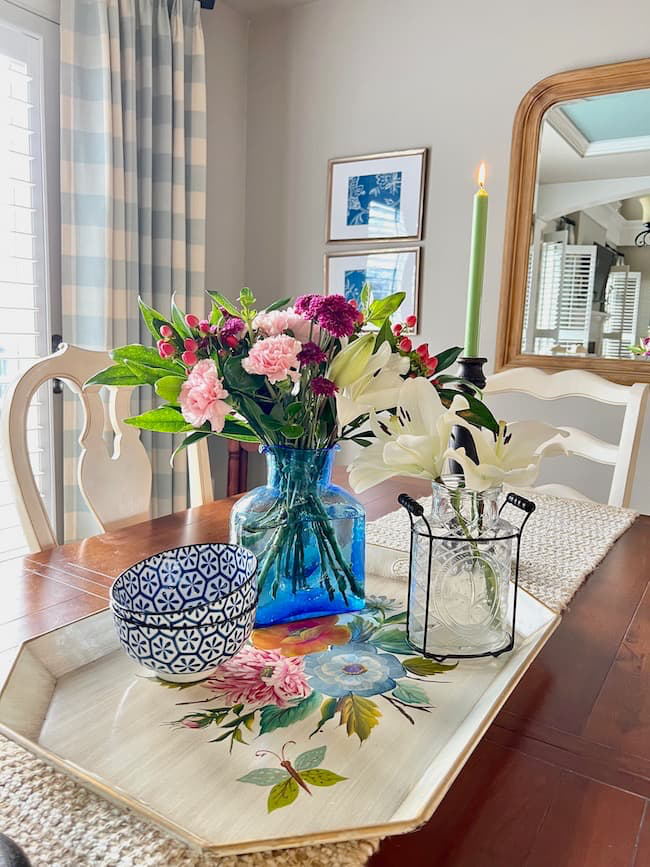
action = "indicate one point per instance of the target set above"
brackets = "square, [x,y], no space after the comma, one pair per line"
[343,77]
[226,43]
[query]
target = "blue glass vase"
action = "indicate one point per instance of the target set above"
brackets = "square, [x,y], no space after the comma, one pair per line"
[308,535]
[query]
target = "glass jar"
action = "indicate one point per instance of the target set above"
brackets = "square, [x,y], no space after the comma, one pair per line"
[308,535]
[459,591]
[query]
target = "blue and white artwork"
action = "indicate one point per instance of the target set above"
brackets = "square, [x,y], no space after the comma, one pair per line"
[376,199]
[382,280]
[385,271]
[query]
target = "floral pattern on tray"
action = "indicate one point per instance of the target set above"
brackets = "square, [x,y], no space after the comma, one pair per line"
[352,666]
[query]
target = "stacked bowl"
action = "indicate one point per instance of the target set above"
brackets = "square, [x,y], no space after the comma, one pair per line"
[184,611]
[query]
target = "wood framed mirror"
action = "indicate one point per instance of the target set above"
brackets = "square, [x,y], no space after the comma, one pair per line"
[576,270]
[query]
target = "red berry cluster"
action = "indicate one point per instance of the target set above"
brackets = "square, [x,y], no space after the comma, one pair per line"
[422,363]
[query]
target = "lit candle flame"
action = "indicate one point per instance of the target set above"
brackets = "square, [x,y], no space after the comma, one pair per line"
[481,176]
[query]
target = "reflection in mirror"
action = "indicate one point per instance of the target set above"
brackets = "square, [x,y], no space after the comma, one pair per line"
[588,289]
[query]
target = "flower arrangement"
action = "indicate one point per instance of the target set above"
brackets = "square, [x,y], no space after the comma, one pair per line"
[297,379]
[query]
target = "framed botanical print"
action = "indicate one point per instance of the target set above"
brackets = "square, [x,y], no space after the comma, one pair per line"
[386,271]
[379,197]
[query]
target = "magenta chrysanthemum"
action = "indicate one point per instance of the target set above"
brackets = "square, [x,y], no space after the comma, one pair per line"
[337,316]
[323,387]
[260,677]
[308,306]
[311,353]
[232,327]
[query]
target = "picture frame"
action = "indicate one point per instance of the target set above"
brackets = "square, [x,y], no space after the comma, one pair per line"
[386,270]
[377,197]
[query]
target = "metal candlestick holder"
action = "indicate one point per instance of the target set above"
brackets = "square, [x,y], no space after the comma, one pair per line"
[471,370]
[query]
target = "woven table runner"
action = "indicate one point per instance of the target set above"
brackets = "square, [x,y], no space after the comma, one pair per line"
[60,824]
[562,544]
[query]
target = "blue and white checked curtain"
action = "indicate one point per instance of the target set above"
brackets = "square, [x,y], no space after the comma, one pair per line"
[133,192]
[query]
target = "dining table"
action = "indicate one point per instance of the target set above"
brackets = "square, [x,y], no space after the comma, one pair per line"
[561,777]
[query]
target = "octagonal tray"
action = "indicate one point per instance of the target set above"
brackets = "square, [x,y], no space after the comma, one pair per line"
[324,730]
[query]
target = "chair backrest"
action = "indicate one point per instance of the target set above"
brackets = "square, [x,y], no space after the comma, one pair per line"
[117,486]
[581,383]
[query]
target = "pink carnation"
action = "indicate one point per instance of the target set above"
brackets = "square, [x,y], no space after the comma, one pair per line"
[274,357]
[200,397]
[260,677]
[278,321]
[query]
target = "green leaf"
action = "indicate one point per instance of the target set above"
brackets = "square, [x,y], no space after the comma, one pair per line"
[447,357]
[264,777]
[327,711]
[238,430]
[365,297]
[277,305]
[359,715]
[246,298]
[282,795]
[145,355]
[426,667]
[169,387]
[178,320]
[310,759]
[396,618]
[391,640]
[116,374]
[272,717]
[189,440]
[384,334]
[148,375]
[236,377]
[321,777]
[294,409]
[479,415]
[292,431]
[410,694]
[222,301]
[383,308]
[216,316]
[152,318]
[165,419]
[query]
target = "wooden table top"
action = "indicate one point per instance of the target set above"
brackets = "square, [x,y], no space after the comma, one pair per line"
[562,777]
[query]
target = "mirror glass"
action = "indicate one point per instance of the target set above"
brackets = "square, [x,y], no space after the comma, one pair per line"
[588,289]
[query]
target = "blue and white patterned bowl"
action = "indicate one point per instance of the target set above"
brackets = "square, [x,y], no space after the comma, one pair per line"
[184,611]
[184,654]
[225,608]
[180,579]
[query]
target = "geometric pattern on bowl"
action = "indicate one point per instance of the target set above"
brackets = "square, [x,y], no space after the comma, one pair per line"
[182,578]
[226,608]
[186,651]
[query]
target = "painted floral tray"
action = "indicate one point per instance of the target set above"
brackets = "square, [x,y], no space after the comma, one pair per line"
[322,730]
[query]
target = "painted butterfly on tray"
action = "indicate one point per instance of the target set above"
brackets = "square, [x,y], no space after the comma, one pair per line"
[289,779]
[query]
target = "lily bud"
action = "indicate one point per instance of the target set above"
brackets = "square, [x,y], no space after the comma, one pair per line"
[350,363]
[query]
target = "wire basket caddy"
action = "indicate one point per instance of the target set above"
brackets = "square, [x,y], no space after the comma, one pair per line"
[462,601]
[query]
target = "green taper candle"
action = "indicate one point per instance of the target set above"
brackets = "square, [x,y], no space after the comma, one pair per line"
[476,267]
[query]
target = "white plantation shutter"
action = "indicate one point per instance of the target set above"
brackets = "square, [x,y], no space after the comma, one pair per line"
[24,330]
[622,307]
[566,296]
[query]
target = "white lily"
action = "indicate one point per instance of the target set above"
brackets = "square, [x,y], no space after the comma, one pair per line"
[513,456]
[376,388]
[414,442]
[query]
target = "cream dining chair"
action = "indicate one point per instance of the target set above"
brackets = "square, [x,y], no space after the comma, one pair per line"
[117,486]
[622,456]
